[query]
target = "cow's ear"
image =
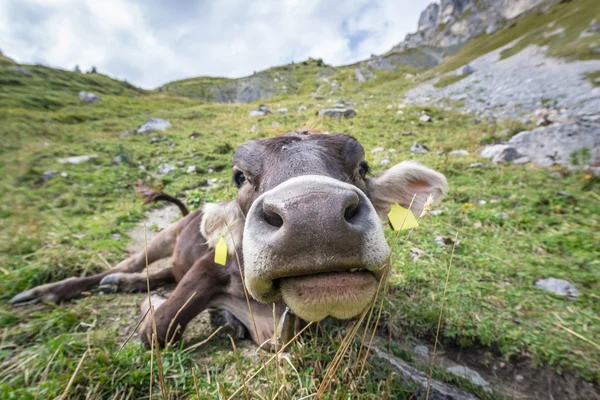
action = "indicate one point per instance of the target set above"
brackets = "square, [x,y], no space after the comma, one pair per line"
[403,182]
[222,220]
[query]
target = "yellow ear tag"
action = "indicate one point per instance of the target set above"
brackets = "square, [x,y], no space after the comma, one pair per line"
[401,218]
[221,252]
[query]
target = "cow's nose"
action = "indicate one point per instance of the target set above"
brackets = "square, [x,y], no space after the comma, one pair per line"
[338,208]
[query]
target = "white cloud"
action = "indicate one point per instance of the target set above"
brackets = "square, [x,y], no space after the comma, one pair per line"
[151,42]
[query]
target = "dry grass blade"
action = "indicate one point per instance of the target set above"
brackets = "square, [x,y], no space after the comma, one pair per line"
[170,340]
[239,264]
[66,392]
[195,346]
[335,363]
[272,358]
[275,340]
[196,383]
[45,372]
[437,332]
[572,332]
[239,367]
[133,331]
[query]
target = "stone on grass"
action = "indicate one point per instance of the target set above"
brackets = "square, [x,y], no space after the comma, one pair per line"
[191,169]
[460,152]
[421,351]
[282,110]
[521,160]
[500,153]
[164,169]
[256,113]
[560,287]
[425,118]
[384,162]
[476,165]
[418,148]
[337,112]
[88,97]
[126,133]
[377,150]
[76,159]
[46,176]
[153,124]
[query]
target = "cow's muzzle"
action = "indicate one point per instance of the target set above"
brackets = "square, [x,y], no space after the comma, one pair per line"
[318,243]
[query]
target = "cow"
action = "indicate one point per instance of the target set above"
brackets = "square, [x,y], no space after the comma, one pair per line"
[304,232]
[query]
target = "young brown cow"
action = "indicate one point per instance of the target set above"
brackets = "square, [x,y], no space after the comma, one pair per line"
[305,228]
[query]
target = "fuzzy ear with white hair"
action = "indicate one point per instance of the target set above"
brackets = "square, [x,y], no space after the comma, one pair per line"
[403,182]
[222,219]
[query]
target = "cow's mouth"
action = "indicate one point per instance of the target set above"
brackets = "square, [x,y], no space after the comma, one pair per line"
[341,295]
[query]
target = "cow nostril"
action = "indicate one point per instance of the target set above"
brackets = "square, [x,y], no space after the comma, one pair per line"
[273,219]
[351,212]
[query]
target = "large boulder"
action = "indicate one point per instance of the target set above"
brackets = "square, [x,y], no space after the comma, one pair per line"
[559,143]
[153,124]
[337,112]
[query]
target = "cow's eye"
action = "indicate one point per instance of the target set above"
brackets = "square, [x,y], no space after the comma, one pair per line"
[363,169]
[239,178]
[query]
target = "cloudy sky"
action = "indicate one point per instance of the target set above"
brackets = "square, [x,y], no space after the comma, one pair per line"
[151,42]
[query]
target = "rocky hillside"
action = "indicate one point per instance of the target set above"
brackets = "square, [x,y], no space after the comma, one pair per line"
[454,22]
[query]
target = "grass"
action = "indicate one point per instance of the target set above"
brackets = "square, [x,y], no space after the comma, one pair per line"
[448,80]
[515,225]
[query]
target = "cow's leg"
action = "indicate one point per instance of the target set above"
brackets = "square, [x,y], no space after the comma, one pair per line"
[192,295]
[136,282]
[160,247]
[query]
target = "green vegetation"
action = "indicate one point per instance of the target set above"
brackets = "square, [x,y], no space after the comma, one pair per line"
[448,80]
[568,20]
[594,77]
[515,224]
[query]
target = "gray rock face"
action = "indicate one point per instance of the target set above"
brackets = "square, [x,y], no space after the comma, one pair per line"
[595,27]
[500,153]
[337,112]
[517,85]
[22,70]
[453,22]
[381,63]
[468,374]
[88,97]
[560,287]
[558,143]
[153,124]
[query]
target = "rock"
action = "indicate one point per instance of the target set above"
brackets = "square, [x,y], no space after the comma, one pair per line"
[421,351]
[399,112]
[556,143]
[256,113]
[377,150]
[435,213]
[418,148]
[412,377]
[117,160]
[126,133]
[191,169]
[282,110]
[363,74]
[521,160]
[425,118]
[476,165]
[195,135]
[469,374]
[337,112]
[301,108]
[46,176]
[76,159]
[381,63]
[500,153]
[164,169]
[595,27]
[88,97]
[152,125]
[340,102]
[154,140]
[275,124]
[264,108]
[253,128]
[460,152]
[384,162]
[560,287]
[23,70]
[350,104]
[467,70]
[408,133]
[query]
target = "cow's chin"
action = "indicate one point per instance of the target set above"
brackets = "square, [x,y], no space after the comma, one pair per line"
[340,295]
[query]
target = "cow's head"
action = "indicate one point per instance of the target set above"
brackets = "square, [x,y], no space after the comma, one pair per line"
[307,220]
